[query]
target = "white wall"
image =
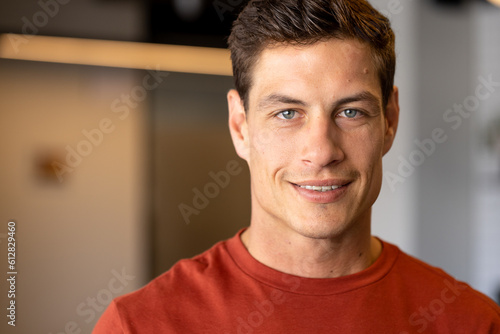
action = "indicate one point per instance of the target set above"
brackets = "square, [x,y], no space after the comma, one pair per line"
[445,78]
[445,209]
[486,164]
[394,217]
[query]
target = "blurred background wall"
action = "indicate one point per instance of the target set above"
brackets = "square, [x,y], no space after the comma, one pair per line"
[130,206]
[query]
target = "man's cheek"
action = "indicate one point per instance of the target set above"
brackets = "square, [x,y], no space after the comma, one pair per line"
[263,138]
[367,144]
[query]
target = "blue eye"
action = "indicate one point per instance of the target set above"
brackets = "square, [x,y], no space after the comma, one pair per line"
[350,113]
[287,114]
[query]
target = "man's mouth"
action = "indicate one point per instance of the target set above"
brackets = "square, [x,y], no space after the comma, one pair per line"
[323,185]
[322,191]
[320,188]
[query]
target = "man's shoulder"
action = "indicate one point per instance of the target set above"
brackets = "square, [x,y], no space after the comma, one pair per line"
[188,288]
[186,277]
[436,289]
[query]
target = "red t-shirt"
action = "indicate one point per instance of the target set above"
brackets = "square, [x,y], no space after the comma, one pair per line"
[226,291]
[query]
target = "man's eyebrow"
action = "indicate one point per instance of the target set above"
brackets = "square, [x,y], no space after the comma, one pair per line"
[364,96]
[274,99]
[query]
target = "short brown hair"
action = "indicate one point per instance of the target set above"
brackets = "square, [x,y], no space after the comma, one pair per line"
[266,22]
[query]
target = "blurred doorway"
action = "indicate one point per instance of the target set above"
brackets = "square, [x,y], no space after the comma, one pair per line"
[200,187]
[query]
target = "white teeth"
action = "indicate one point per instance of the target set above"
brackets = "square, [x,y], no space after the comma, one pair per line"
[322,189]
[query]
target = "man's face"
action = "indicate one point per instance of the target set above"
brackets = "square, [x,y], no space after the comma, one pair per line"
[314,135]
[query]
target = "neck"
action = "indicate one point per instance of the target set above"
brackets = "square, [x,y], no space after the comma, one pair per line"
[287,251]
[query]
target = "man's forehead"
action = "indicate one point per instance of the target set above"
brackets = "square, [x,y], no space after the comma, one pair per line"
[285,60]
[285,68]
[349,47]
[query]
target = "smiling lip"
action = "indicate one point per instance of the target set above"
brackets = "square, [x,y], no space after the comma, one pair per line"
[322,191]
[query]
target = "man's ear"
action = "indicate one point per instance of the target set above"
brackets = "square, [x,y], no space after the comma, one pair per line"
[238,123]
[391,119]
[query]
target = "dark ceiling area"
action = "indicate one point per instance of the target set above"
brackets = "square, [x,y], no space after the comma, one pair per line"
[192,22]
[183,22]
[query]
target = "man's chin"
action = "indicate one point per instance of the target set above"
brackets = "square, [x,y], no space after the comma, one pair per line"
[322,229]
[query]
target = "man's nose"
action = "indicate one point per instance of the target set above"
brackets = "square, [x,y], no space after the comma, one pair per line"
[322,142]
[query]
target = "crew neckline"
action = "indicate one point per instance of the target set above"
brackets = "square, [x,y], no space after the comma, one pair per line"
[311,286]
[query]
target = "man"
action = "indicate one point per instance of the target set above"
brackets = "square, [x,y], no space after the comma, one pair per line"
[313,113]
